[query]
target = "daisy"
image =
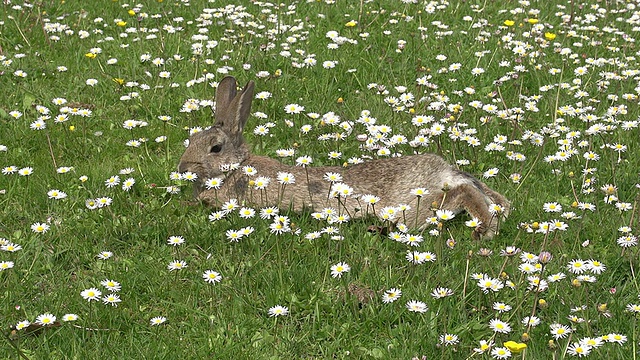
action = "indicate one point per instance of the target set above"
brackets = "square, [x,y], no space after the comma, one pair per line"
[501,353]
[501,307]
[278,310]
[441,292]
[40,228]
[10,247]
[417,306]
[211,276]
[532,321]
[112,181]
[552,207]
[449,339]
[175,240]
[213,183]
[484,347]
[340,268]
[500,326]
[111,299]
[45,319]
[268,212]
[4,265]
[247,213]
[391,295]
[559,331]
[596,266]
[128,184]
[158,320]
[56,194]
[578,266]
[22,324]
[578,349]
[111,285]
[177,265]
[616,338]
[104,255]
[91,294]
[69,317]
[445,215]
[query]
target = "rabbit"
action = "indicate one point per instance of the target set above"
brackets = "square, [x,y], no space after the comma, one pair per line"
[212,150]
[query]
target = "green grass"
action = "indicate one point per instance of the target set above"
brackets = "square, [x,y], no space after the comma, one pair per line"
[327,317]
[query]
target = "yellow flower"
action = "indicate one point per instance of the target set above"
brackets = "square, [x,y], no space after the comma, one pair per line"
[351,23]
[509,22]
[549,36]
[340,100]
[72,128]
[532,21]
[90,55]
[515,347]
[131,12]
[121,23]
[118,81]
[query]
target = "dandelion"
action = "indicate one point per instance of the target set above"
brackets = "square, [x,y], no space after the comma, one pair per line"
[158,320]
[278,310]
[211,276]
[417,306]
[339,269]
[391,295]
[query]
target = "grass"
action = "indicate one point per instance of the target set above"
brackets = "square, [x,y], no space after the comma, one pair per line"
[536,88]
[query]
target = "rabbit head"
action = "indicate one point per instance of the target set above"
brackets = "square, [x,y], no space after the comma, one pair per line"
[223,142]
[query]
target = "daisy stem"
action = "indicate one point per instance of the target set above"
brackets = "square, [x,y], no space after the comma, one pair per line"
[53,158]
[415,223]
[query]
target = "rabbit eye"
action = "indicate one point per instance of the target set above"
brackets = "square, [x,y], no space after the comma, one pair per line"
[215,149]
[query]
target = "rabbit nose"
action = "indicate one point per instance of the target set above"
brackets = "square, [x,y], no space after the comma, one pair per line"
[183,167]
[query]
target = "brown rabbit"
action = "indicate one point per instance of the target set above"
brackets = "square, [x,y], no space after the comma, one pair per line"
[220,152]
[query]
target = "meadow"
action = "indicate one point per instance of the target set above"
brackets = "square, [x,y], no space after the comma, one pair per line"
[105,254]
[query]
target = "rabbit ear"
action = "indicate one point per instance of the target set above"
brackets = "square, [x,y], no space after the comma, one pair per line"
[224,96]
[232,109]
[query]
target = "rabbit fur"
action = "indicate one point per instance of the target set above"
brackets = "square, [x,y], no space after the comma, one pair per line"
[390,179]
